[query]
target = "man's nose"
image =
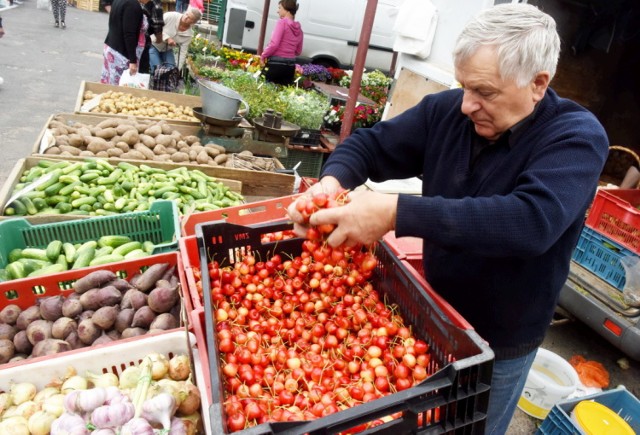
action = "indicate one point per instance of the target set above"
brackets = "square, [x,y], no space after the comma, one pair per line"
[470,103]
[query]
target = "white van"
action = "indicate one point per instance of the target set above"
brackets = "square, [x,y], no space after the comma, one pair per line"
[331,29]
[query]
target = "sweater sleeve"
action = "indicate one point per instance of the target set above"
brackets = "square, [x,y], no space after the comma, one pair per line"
[521,209]
[131,23]
[299,46]
[276,39]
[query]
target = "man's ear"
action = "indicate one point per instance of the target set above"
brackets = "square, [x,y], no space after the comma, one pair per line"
[539,85]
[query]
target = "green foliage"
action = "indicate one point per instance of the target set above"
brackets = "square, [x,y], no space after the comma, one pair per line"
[304,108]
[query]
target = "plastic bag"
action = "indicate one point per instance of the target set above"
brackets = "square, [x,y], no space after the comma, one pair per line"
[631,291]
[43,4]
[591,373]
[139,80]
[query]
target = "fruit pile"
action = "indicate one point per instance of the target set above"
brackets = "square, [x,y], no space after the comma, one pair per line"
[304,337]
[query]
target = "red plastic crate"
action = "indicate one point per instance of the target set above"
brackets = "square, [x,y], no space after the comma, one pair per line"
[27,291]
[189,258]
[408,249]
[615,213]
[245,214]
[456,392]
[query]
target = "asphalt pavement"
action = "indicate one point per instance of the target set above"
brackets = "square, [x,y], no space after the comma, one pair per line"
[43,67]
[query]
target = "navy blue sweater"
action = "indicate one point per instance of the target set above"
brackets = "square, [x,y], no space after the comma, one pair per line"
[498,234]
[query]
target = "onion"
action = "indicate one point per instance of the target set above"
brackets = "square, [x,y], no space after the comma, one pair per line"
[54,405]
[191,402]
[40,423]
[15,426]
[74,383]
[179,367]
[159,366]
[22,392]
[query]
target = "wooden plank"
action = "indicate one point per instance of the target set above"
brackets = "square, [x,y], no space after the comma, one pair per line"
[409,90]
[171,97]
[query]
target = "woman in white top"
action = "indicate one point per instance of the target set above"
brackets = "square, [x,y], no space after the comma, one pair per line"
[176,32]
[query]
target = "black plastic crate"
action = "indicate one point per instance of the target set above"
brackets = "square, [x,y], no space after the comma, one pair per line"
[306,137]
[457,390]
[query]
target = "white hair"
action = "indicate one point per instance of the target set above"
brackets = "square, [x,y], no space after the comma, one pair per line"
[195,13]
[525,39]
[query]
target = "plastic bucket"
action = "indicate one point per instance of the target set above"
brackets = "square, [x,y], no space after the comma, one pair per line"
[219,101]
[550,380]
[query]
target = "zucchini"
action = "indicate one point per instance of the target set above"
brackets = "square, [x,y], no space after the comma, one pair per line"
[54,248]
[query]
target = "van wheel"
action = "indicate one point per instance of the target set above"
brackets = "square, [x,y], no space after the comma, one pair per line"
[327,63]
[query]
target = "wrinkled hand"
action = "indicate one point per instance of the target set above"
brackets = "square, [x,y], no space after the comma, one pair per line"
[133,68]
[171,42]
[327,185]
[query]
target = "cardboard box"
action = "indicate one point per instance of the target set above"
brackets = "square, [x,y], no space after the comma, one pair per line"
[171,97]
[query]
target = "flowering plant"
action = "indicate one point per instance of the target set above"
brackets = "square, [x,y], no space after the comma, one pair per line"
[303,108]
[316,73]
[336,74]
[364,116]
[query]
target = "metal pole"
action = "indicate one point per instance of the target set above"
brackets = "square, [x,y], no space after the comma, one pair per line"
[263,25]
[356,79]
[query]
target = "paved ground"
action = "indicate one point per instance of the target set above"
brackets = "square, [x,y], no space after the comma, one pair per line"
[42,69]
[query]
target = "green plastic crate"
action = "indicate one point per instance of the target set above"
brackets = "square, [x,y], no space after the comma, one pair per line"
[160,225]
[310,162]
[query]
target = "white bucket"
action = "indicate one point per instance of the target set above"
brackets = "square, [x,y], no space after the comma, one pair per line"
[550,380]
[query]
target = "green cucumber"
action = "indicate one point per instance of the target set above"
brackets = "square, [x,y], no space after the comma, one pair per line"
[54,248]
[113,241]
[35,254]
[105,259]
[124,249]
[85,256]
[48,270]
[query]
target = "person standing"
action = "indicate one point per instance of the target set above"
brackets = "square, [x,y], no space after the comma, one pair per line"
[279,57]
[176,33]
[508,170]
[59,8]
[122,49]
[155,16]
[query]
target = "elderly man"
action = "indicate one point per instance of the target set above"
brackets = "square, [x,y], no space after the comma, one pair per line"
[509,169]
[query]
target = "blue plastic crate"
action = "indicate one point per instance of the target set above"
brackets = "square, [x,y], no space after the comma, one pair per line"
[622,402]
[601,255]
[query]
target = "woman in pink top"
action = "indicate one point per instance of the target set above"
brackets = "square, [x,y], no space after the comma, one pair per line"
[279,57]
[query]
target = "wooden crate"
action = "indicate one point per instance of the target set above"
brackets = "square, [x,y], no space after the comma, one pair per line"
[89,118]
[88,5]
[170,97]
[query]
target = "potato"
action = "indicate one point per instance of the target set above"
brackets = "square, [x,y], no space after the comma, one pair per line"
[131,137]
[191,139]
[213,152]
[220,159]
[176,135]
[114,152]
[62,140]
[52,150]
[106,133]
[171,150]
[159,150]
[165,140]
[110,122]
[102,154]
[216,146]
[197,147]
[182,145]
[83,131]
[123,146]
[166,128]
[202,157]
[146,152]
[147,141]
[86,153]
[153,131]
[180,157]
[133,154]
[193,155]
[71,150]
[98,144]
[123,127]
[76,140]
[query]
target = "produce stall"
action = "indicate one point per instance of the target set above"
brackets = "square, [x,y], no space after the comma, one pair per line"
[111,311]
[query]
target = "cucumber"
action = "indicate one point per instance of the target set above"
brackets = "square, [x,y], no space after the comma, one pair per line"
[35,254]
[136,253]
[31,209]
[48,270]
[85,256]
[113,241]
[4,275]
[53,250]
[105,250]
[19,207]
[148,247]
[16,270]
[69,252]
[15,255]
[30,264]
[127,247]
[40,203]
[62,260]
[105,259]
